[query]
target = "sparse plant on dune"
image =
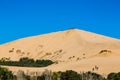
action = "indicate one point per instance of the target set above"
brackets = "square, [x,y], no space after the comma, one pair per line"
[18,51]
[12,50]
[105,51]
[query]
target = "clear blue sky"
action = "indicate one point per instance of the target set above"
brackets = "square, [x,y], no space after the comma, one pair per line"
[21,18]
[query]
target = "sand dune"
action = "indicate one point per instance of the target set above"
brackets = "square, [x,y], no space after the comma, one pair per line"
[73,49]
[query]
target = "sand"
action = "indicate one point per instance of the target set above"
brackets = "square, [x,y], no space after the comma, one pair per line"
[73,50]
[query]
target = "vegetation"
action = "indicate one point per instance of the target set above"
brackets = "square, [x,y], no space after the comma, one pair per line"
[5,74]
[27,62]
[105,51]
[70,75]
[114,76]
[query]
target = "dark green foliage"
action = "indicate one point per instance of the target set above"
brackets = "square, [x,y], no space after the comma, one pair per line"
[41,77]
[44,62]
[27,77]
[114,76]
[92,76]
[5,74]
[70,75]
[56,75]
[26,62]
[111,75]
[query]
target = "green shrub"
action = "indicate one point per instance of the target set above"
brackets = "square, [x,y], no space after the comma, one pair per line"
[27,62]
[5,74]
[114,76]
[70,75]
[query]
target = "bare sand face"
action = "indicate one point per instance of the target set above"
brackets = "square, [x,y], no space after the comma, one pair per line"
[73,50]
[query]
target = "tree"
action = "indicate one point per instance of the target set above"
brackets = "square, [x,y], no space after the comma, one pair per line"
[114,76]
[110,76]
[70,75]
[56,76]
[5,74]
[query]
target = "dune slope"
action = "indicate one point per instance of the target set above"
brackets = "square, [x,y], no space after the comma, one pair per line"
[73,49]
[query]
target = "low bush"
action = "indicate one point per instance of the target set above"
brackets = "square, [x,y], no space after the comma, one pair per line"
[27,62]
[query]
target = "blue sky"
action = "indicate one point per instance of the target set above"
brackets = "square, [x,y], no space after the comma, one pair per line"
[22,18]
